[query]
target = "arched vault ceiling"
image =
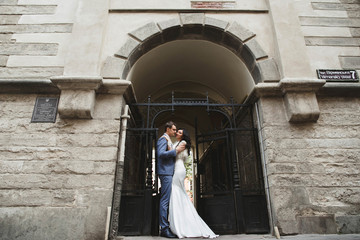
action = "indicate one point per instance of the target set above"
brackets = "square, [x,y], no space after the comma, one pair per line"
[190,66]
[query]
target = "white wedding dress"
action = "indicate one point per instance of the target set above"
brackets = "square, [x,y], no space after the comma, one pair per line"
[184,220]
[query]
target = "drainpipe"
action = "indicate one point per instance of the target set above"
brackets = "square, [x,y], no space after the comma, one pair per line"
[273,230]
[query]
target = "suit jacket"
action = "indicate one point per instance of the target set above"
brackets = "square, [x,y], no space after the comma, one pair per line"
[166,158]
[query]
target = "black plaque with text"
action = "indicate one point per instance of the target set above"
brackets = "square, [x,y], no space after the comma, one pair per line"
[45,109]
[338,75]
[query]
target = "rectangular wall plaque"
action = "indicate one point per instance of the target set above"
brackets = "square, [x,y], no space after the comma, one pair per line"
[338,75]
[45,109]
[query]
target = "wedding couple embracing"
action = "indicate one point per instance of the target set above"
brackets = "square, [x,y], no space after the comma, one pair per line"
[178,216]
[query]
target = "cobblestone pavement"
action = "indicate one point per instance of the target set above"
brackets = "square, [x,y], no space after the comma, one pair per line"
[265,237]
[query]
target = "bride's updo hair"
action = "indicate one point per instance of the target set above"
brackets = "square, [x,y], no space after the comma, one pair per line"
[186,138]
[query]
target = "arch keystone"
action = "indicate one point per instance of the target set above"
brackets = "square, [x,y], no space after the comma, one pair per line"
[192,18]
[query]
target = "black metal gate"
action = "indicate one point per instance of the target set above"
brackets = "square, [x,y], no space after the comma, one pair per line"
[139,204]
[230,194]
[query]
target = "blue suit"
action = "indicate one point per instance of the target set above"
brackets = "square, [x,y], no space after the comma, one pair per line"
[165,170]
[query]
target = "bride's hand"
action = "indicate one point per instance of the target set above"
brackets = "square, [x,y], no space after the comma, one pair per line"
[180,148]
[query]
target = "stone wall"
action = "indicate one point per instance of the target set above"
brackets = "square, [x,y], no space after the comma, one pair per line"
[57,179]
[331,30]
[313,168]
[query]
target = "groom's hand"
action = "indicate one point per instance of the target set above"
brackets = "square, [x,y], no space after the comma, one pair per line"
[180,148]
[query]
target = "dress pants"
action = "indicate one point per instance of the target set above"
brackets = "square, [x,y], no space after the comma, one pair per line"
[166,181]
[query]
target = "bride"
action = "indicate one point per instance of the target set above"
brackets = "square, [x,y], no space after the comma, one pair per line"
[184,220]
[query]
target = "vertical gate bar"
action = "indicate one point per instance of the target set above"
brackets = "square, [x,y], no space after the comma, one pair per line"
[148,112]
[197,195]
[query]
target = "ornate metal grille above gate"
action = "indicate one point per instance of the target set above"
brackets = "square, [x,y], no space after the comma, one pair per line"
[150,111]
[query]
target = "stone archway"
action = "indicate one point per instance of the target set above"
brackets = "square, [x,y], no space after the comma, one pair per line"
[241,41]
[234,37]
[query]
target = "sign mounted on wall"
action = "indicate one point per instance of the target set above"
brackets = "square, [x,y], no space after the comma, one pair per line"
[45,109]
[338,75]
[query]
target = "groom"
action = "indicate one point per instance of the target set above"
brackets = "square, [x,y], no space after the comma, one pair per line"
[165,167]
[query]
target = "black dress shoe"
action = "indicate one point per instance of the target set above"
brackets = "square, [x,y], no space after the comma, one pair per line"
[167,233]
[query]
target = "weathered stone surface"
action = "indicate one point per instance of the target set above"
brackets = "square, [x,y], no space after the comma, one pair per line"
[300,99]
[174,22]
[328,22]
[3,60]
[57,167]
[28,9]
[348,224]
[9,19]
[256,49]
[113,68]
[29,72]
[350,62]
[269,70]
[27,223]
[48,49]
[130,46]
[213,22]
[317,224]
[8,2]
[332,41]
[36,28]
[192,18]
[240,32]
[146,31]
[56,181]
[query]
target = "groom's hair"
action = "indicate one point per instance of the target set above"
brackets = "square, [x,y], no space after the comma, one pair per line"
[169,125]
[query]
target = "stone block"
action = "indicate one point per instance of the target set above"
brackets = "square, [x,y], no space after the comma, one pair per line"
[9,19]
[350,62]
[113,67]
[268,70]
[174,22]
[348,224]
[108,106]
[76,104]
[130,46]
[192,18]
[332,41]
[255,49]
[240,32]
[3,60]
[29,72]
[36,28]
[6,37]
[77,99]
[328,6]
[28,9]
[28,223]
[355,32]
[30,198]
[145,31]
[300,99]
[216,23]
[327,22]
[317,224]
[8,2]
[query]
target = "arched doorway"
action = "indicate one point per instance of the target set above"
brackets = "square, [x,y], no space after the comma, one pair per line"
[196,68]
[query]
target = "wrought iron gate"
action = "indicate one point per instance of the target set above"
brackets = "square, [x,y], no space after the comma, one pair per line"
[230,192]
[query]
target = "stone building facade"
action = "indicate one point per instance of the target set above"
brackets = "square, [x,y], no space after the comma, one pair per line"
[63,179]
